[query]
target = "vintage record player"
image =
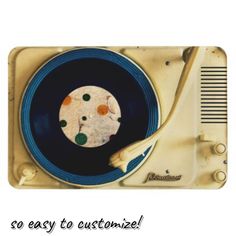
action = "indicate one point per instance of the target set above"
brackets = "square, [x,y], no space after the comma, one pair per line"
[117,117]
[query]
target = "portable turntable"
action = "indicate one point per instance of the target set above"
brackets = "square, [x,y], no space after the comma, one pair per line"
[117,117]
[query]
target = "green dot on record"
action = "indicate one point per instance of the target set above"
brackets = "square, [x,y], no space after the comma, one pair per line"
[86,97]
[63,123]
[81,138]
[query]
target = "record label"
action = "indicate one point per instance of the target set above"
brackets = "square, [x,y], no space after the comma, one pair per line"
[90,116]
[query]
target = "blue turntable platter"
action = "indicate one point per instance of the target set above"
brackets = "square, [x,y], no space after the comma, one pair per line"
[41,127]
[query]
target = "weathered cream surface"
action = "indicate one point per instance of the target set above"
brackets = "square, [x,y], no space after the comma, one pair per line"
[186,150]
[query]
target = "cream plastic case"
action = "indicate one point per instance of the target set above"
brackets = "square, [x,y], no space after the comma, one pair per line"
[191,152]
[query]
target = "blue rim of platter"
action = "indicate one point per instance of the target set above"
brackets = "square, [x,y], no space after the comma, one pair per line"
[77,54]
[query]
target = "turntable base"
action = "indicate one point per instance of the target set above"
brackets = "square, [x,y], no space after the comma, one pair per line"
[191,154]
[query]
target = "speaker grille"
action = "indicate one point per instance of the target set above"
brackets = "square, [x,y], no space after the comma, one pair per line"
[213,94]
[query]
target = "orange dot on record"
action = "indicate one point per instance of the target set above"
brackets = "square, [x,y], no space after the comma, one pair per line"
[67,100]
[102,109]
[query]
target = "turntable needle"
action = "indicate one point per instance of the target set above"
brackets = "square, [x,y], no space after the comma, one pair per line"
[122,158]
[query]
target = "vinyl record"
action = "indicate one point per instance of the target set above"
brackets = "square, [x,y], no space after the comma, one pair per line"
[89,76]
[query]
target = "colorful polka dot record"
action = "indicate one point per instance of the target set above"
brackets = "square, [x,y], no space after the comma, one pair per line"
[90,116]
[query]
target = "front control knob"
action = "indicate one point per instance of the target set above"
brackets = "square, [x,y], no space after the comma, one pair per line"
[26,172]
[219,176]
[219,149]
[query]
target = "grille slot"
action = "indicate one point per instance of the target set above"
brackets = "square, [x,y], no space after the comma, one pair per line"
[213,95]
